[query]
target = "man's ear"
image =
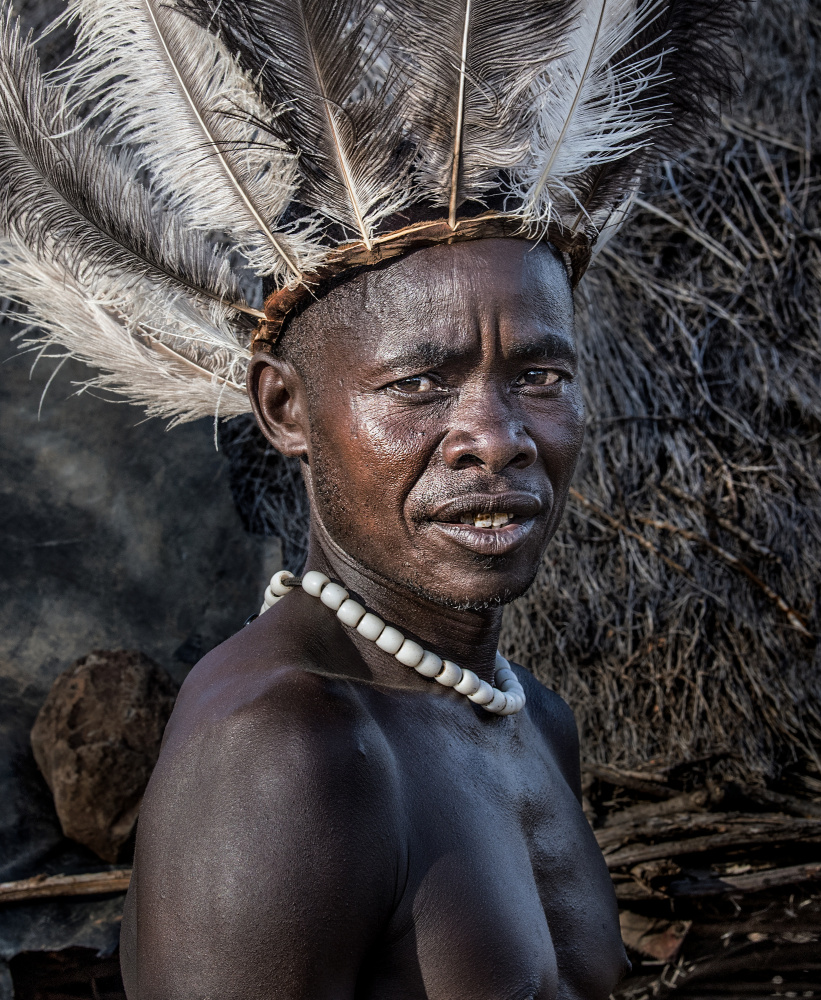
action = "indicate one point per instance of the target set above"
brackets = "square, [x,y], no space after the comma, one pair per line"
[279,402]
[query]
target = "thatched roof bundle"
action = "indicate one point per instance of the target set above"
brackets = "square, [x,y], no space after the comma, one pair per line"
[677,610]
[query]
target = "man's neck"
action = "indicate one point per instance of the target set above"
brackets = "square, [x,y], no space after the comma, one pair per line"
[469,637]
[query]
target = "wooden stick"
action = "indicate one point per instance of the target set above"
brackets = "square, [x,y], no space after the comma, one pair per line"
[636,781]
[49,886]
[751,542]
[735,835]
[644,542]
[772,878]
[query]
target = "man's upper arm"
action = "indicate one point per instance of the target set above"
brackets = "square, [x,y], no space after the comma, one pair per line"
[266,861]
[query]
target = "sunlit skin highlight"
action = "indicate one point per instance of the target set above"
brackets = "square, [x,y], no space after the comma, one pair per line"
[324,822]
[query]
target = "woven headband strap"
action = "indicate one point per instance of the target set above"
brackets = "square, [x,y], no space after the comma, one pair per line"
[348,261]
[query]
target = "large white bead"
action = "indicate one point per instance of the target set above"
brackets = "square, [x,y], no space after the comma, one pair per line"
[450,674]
[371,627]
[263,609]
[498,703]
[333,596]
[505,675]
[390,639]
[430,664]
[350,613]
[469,684]
[501,662]
[313,582]
[410,653]
[516,699]
[515,703]
[484,695]
[277,586]
[270,598]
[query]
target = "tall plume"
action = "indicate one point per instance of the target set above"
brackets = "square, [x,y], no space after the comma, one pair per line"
[74,221]
[635,83]
[309,59]
[470,65]
[172,88]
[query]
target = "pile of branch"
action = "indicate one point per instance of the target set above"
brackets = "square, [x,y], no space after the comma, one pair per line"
[718,883]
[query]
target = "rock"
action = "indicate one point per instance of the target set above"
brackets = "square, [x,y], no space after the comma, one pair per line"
[96,740]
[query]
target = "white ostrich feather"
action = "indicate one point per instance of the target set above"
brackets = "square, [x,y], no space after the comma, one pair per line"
[310,59]
[172,89]
[216,133]
[135,360]
[469,66]
[76,222]
[597,105]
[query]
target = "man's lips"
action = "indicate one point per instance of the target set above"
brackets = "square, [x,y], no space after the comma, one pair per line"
[488,523]
[520,506]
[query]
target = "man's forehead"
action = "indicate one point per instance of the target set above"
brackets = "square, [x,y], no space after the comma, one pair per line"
[440,299]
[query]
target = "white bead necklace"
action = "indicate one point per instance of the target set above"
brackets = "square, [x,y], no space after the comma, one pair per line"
[506,698]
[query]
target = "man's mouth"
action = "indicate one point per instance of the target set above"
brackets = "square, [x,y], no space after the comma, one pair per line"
[489,524]
[486,520]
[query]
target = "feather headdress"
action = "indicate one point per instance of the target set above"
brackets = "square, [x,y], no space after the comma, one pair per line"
[192,149]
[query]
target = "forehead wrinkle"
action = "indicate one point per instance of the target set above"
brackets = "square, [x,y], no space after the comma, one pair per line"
[422,308]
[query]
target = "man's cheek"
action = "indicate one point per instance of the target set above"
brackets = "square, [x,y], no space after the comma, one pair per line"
[559,442]
[393,439]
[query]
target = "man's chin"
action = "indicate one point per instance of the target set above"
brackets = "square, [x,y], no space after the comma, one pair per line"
[479,598]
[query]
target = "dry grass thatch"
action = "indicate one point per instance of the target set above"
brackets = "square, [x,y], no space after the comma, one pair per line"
[677,607]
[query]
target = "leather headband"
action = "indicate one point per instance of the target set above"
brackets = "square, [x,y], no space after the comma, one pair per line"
[351,259]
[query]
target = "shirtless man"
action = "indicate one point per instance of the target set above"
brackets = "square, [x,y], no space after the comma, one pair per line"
[323,822]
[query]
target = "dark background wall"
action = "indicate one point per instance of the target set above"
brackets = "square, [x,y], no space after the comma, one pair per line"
[114,534]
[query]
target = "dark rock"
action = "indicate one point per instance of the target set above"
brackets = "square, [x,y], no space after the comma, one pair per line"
[96,740]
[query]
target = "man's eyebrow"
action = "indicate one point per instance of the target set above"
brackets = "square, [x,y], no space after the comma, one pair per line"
[423,355]
[550,345]
[429,354]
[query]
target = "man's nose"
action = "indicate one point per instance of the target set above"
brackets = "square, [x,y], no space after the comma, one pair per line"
[486,432]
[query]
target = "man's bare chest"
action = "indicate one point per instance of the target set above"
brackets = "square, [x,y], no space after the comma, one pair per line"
[505,891]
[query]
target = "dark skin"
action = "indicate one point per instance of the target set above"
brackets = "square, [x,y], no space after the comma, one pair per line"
[324,822]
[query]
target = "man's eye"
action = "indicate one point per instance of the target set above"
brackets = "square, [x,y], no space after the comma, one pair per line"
[415,384]
[538,376]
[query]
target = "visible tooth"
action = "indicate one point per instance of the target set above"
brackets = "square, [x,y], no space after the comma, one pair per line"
[483,521]
[467,519]
[500,519]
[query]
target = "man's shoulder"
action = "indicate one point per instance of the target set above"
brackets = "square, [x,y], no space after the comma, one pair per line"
[253,705]
[272,806]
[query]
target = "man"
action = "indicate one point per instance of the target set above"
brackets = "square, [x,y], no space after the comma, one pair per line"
[324,822]
[334,813]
